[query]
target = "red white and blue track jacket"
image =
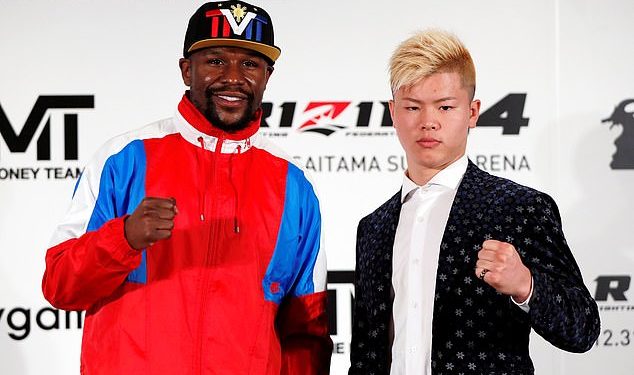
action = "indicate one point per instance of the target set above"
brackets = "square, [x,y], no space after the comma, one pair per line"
[239,288]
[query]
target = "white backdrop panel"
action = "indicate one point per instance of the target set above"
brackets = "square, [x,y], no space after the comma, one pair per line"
[568,63]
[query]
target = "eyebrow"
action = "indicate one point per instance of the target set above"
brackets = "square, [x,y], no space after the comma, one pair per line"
[443,99]
[215,52]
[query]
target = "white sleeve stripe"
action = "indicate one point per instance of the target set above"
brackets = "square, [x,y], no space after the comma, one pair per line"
[75,222]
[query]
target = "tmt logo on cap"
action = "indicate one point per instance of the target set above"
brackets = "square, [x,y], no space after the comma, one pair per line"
[231,24]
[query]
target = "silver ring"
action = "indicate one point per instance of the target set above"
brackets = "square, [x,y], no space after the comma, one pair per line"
[482,273]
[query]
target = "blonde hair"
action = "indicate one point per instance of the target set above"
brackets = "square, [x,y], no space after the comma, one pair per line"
[428,52]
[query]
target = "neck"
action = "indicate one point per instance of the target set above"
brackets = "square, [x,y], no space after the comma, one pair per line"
[421,175]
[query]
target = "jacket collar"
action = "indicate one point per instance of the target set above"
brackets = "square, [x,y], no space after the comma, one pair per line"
[197,130]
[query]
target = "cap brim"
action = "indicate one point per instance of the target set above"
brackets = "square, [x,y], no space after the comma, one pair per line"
[271,52]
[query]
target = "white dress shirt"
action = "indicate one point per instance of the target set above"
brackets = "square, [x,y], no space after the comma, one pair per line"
[421,225]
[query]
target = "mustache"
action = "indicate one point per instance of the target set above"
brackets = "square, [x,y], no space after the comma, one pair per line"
[210,91]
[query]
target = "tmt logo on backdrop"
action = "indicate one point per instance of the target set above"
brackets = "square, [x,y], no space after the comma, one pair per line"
[37,129]
[623,115]
[340,303]
[40,118]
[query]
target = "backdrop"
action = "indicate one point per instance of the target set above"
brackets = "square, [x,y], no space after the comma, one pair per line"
[75,73]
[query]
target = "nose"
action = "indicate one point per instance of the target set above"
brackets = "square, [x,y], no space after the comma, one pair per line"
[429,125]
[428,119]
[233,75]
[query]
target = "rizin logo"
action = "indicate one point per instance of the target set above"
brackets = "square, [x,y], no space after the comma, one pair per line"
[328,117]
[363,118]
[623,115]
[611,292]
[321,117]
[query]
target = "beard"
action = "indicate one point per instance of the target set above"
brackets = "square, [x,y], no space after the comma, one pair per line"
[211,113]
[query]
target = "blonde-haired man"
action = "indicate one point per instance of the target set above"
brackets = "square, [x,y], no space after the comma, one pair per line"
[456,268]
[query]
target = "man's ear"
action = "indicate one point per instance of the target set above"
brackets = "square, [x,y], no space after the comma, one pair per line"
[269,71]
[391,107]
[474,113]
[186,71]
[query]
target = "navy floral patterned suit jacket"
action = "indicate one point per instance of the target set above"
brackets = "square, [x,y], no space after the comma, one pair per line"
[475,329]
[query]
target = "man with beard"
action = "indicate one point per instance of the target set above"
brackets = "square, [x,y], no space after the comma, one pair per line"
[193,246]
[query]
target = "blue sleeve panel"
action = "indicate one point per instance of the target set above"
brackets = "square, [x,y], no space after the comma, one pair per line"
[290,271]
[121,189]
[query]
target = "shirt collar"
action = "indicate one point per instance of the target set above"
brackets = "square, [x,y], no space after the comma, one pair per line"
[449,177]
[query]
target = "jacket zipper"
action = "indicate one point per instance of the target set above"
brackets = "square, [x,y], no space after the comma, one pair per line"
[209,254]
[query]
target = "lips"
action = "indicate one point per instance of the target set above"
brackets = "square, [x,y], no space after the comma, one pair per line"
[230,99]
[428,142]
[228,96]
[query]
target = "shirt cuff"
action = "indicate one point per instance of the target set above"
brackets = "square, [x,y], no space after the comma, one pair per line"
[524,305]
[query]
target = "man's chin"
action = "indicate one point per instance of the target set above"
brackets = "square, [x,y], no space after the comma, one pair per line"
[229,119]
[230,124]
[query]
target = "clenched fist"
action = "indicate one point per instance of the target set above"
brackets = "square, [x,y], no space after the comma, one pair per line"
[151,221]
[500,266]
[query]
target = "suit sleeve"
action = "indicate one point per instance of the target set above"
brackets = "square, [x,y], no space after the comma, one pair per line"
[360,330]
[562,310]
[302,319]
[90,257]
